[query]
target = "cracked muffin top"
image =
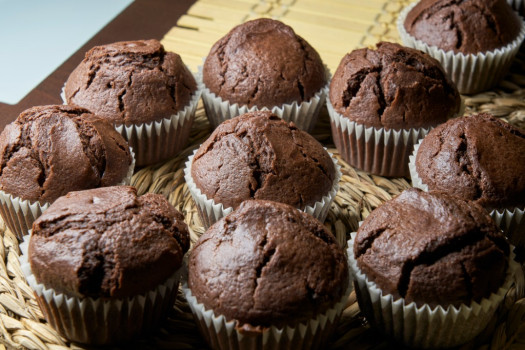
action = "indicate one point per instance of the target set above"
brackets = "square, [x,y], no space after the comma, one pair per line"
[263,63]
[432,248]
[51,150]
[268,264]
[477,157]
[393,87]
[112,243]
[257,155]
[465,26]
[131,82]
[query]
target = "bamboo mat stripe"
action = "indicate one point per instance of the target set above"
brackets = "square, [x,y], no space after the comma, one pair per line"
[333,27]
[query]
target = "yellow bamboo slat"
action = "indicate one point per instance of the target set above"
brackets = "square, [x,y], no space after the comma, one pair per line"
[363,3]
[192,35]
[204,23]
[349,11]
[366,19]
[213,11]
[244,5]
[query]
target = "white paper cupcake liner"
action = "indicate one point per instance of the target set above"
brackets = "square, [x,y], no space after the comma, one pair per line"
[19,214]
[303,115]
[510,220]
[223,334]
[377,151]
[210,212]
[425,327]
[517,5]
[163,139]
[159,140]
[101,321]
[416,180]
[472,72]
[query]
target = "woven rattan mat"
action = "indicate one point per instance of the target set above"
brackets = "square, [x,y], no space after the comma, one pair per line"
[334,27]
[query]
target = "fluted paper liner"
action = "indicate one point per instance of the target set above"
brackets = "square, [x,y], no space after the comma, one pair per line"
[425,327]
[377,151]
[223,334]
[162,139]
[101,321]
[472,73]
[517,5]
[510,220]
[303,115]
[210,212]
[19,214]
[159,140]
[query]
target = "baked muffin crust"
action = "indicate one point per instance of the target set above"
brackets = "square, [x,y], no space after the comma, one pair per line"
[131,82]
[432,248]
[268,263]
[107,242]
[51,150]
[259,156]
[263,63]
[393,87]
[466,26]
[477,157]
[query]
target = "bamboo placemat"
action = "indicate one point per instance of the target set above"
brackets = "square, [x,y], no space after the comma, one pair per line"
[334,27]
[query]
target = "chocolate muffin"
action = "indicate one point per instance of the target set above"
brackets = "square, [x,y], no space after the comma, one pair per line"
[268,264]
[393,87]
[263,63]
[116,258]
[51,150]
[432,248]
[430,269]
[477,157]
[259,156]
[468,27]
[131,82]
[474,40]
[112,243]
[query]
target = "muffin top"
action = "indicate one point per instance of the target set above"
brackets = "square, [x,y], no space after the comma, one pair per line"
[393,87]
[463,26]
[260,156]
[263,63]
[51,150]
[477,157]
[432,248]
[112,243]
[131,82]
[268,263]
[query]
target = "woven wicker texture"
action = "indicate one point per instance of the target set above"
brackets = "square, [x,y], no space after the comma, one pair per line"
[349,22]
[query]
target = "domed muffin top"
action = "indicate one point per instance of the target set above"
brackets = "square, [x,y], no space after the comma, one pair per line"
[263,63]
[107,242]
[393,87]
[432,248]
[131,82]
[51,150]
[466,26]
[257,155]
[477,157]
[268,263]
